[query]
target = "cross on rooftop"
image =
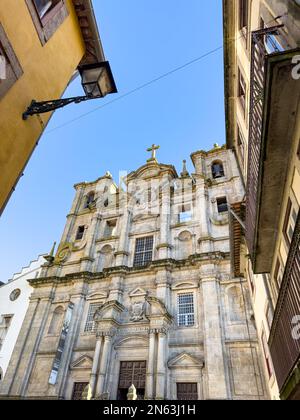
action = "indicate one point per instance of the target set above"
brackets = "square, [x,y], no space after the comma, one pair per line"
[153,150]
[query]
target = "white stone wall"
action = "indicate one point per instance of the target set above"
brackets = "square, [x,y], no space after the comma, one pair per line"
[17,309]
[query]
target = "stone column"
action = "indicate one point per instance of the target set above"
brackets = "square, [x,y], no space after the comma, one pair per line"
[151,370]
[104,364]
[77,297]
[93,378]
[213,345]
[202,210]
[164,245]
[116,289]
[88,259]
[163,282]
[122,253]
[161,365]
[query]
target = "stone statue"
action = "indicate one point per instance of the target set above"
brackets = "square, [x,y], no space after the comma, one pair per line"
[132,395]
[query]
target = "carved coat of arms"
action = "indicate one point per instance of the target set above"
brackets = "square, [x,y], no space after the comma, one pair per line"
[137,311]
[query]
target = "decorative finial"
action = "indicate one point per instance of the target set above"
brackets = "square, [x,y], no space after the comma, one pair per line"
[50,257]
[184,173]
[108,174]
[217,146]
[153,151]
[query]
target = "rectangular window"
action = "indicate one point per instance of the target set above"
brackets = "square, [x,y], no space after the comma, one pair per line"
[143,251]
[80,233]
[242,90]
[10,69]
[187,392]
[78,389]
[110,228]
[269,316]
[47,16]
[286,226]
[243,14]
[266,354]
[185,308]
[90,324]
[5,321]
[185,214]
[241,144]
[61,345]
[222,205]
[278,274]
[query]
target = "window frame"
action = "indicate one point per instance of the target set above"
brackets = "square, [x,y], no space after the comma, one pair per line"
[242,90]
[187,323]
[222,204]
[243,14]
[220,164]
[78,233]
[185,211]
[48,24]
[113,228]
[89,325]
[144,261]
[11,60]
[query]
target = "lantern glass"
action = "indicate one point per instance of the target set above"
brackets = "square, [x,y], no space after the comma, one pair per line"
[96,80]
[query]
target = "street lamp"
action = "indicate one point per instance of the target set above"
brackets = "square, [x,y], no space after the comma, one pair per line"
[97,81]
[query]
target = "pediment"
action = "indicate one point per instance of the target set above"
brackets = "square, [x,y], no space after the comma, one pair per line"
[133,342]
[84,362]
[185,285]
[151,170]
[137,292]
[185,360]
[97,296]
[158,308]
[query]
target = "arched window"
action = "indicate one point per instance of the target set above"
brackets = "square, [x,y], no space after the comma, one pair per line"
[217,169]
[89,200]
[56,320]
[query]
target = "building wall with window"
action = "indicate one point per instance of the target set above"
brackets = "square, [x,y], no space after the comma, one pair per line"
[14,302]
[144,295]
[255,31]
[37,62]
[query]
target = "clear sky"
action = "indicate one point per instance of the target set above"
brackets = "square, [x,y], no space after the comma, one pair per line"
[182,113]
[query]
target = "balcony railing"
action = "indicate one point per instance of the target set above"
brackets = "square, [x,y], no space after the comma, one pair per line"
[284,342]
[263,43]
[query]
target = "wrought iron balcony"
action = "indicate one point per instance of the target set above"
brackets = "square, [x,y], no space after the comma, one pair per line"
[284,342]
[273,100]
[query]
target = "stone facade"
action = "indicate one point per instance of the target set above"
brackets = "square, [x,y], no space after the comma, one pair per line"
[141,291]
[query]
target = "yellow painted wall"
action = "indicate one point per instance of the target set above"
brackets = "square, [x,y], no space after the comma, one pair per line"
[47,72]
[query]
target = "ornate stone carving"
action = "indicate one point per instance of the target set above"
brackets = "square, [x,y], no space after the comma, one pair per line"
[137,311]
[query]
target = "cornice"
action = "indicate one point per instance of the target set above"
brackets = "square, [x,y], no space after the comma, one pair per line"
[169,264]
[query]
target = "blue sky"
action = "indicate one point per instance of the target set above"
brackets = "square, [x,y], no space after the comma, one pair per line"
[182,113]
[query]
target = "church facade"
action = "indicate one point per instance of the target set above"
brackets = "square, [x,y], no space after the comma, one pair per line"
[141,291]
